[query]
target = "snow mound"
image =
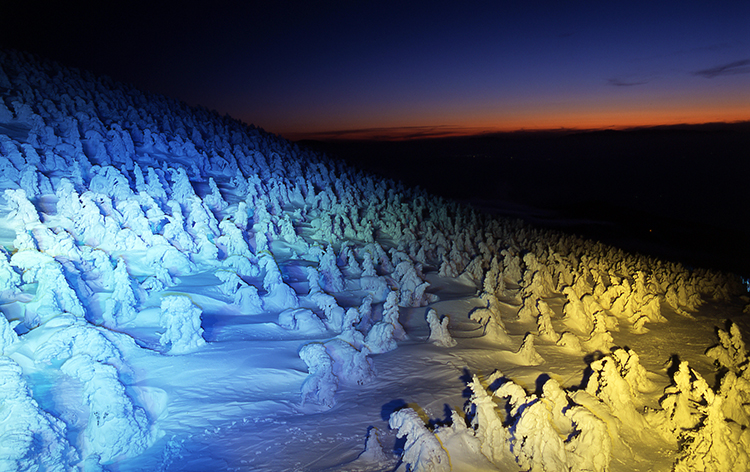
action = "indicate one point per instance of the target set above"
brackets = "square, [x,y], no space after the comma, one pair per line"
[301,320]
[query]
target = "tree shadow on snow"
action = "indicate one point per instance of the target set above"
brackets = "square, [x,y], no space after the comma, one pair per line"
[447,420]
[674,366]
[588,371]
[540,381]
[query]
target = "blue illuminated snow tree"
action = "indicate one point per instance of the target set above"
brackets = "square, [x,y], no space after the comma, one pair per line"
[32,439]
[333,279]
[181,321]
[214,200]
[119,309]
[7,335]
[391,315]
[9,278]
[279,295]
[320,385]
[54,294]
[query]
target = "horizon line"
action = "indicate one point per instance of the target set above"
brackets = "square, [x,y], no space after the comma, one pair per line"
[416,133]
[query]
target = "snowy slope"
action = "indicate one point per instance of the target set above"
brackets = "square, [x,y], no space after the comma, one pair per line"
[182,291]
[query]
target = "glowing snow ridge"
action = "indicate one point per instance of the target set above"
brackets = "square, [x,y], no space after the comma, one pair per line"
[183,292]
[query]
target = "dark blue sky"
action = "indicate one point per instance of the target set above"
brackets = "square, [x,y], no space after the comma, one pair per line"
[358,69]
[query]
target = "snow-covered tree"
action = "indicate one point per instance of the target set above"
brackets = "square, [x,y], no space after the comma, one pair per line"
[544,322]
[373,455]
[422,451]
[279,296]
[9,278]
[333,279]
[333,312]
[120,309]
[181,320]
[248,300]
[439,333]
[214,200]
[115,428]
[351,365]
[321,384]
[527,354]
[488,424]
[606,382]
[31,439]
[731,352]
[391,315]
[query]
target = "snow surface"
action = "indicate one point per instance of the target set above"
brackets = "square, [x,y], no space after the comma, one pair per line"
[182,291]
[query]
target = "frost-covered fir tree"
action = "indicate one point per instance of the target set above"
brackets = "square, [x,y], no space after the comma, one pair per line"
[182,189]
[677,404]
[590,445]
[439,333]
[391,314]
[731,352]
[527,354]
[544,322]
[115,429]
[422,451]
[607,384]
[247,299]
[321,384]
[536,441]
[333,312]
[54,294]
[717,444]
[120,309]
[232,241]
[373,453]
[349,333]
[181,320]
[279,295]
[380,338]
[32,439]
[351,365]
[333,279]
[7,336]
[214,200]
[487,423]
[9,278]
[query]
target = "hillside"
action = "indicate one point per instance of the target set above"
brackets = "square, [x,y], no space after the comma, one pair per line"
[182,291]
[674,192]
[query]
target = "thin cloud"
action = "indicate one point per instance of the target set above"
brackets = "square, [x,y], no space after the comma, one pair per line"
[682,52]
[392,134]
[733,68]
[621,83]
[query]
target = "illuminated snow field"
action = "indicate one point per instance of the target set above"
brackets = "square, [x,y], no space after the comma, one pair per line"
[182,291]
